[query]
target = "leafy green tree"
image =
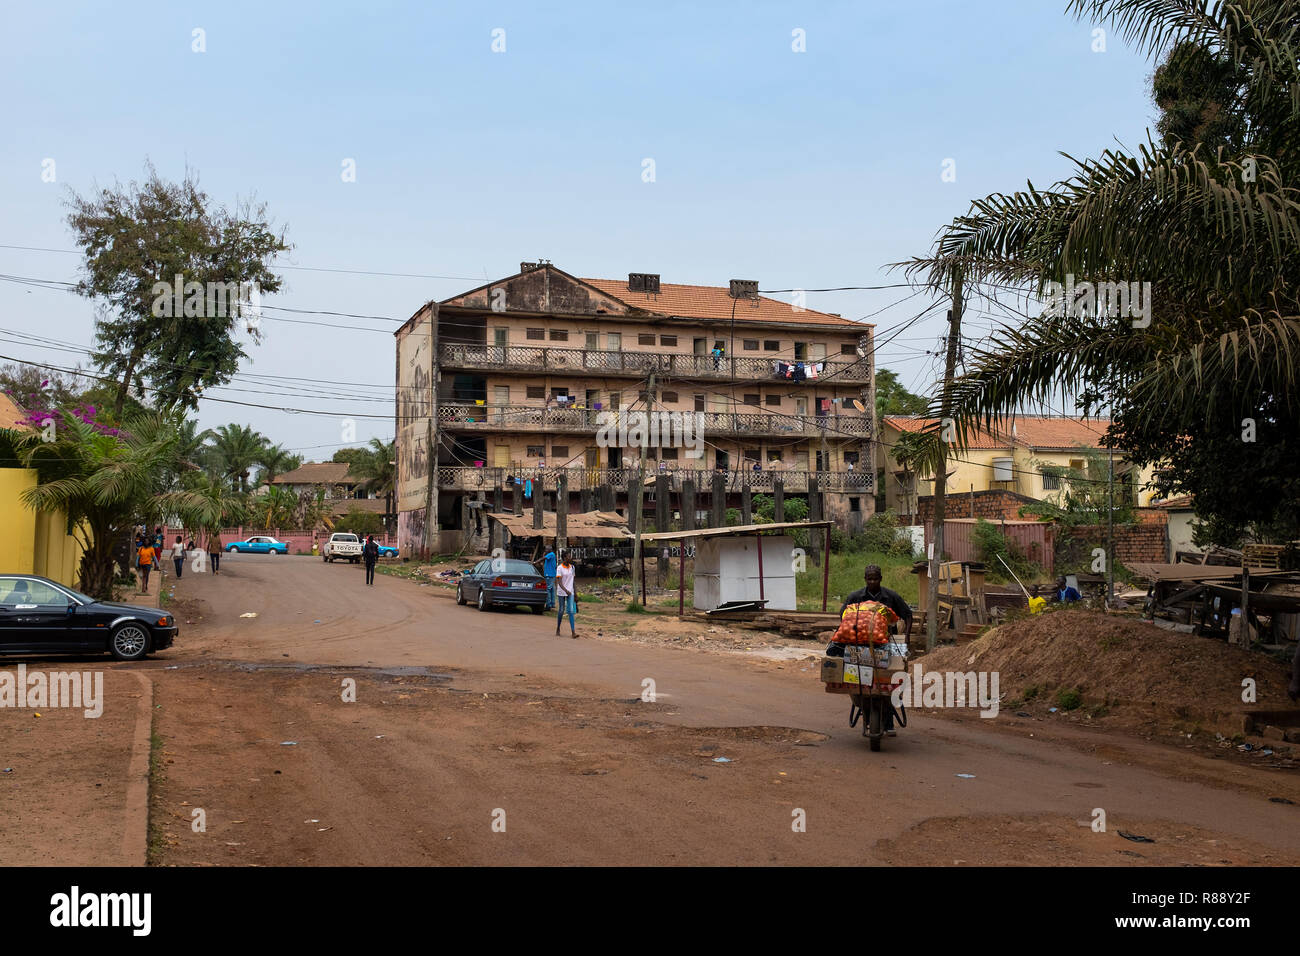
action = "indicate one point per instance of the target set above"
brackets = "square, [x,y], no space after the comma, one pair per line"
[136,240]
[893,399]
[349,455]
[31,387]
[1213,224]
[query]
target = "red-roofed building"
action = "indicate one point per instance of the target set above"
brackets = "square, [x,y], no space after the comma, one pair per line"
[531,367]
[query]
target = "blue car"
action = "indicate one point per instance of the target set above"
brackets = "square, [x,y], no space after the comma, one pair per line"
[259,544]
[387,551]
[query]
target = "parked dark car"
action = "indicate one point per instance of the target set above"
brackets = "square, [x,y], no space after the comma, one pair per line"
[503,581]
[40,616]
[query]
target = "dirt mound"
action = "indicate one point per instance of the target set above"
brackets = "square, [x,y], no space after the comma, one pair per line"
[1121,667]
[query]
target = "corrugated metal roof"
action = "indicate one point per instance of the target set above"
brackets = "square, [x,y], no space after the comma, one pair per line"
[738,529]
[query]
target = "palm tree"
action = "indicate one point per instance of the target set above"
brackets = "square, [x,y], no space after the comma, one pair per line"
[276,508]
[378,470]
[217,504]
[237,449]
[1214,226]
[104,483]
[276,460]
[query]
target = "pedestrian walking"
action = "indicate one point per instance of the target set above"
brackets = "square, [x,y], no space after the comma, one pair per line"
[178,556]
[566,598]
[370,555]
[214,549]
[146,559]
[548,572]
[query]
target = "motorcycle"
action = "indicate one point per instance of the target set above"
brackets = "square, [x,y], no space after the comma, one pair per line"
[867,677]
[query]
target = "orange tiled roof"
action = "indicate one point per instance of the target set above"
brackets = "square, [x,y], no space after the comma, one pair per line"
[977,438]
[10,413]
[1043,431]
[715,302]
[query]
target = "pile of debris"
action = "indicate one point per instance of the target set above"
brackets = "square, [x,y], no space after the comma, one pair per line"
[1125,670]
[1240,602]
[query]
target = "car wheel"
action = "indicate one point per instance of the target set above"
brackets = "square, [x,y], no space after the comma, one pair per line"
[460,594]
[483,602]
[273,551]
[233,549]
[537,609]
[130,642]
[324,557]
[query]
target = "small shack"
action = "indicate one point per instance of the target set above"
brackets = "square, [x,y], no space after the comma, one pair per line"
[731,569]
[604,535]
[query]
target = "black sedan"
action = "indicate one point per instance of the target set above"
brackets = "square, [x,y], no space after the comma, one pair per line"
[40,616]
[503,581]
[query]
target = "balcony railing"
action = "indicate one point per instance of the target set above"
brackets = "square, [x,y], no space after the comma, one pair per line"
[536,418]
[457,478]
[639,364]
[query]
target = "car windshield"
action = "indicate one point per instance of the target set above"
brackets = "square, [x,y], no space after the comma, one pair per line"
[345,537]
[519,567]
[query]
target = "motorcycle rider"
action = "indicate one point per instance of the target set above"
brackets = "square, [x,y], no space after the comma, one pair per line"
[875,591]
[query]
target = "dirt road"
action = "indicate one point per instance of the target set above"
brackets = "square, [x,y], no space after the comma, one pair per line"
[482,738]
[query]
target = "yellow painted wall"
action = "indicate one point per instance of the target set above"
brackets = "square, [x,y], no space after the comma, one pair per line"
[17,521]
[974,468]
[58,554]
[34,542]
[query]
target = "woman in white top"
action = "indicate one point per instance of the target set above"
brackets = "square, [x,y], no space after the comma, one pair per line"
[564,594]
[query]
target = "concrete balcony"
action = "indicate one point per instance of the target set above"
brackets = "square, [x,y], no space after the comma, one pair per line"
[461,417]
[458,478]
[523,358]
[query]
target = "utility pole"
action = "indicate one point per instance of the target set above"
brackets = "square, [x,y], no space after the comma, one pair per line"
[640,491]
[941,472]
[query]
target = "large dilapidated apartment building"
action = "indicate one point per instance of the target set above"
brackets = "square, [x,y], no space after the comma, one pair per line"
[542,374]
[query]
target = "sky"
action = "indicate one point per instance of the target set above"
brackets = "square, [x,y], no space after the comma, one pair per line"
[486,134]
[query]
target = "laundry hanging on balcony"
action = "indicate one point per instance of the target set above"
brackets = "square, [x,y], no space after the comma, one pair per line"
[798,371]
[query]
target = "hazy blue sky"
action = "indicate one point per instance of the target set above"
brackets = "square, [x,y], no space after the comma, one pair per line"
[803,170]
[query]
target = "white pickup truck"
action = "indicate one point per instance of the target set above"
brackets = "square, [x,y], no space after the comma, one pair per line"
[342,547]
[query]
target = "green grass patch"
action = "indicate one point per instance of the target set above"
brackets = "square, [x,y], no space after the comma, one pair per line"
[154,850]
[846,577]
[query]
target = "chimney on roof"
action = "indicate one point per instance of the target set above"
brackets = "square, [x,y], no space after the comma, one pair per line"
[533,266]
[744,289]
[643,282]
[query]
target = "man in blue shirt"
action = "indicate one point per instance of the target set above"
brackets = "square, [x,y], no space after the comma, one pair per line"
[1064,593]
[548,572]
